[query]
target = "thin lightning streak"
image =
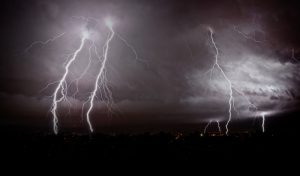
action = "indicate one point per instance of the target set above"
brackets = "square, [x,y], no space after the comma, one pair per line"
[216,64]
[219,127]
[247,99]
[205,128]
[99,76]
[128,45]
[252,106]
[189,48]
[62,87]
[263,122]
[43,42]
[47,86]
[207,125]
[131,48]
[293,56]
[84,71]
[246,36]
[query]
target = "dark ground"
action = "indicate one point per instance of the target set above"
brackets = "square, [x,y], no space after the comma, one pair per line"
[280,144]
[160,146]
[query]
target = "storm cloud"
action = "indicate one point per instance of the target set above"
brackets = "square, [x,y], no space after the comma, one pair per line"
[170,81]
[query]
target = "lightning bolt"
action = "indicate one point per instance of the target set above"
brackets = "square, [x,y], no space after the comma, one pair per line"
[100,78]
[219,127]
[293,56]
[205,128]
[263,122]
[100,84]
[207,125]
[251,36]
[247,36]
[231,100]
[62,86]
[131,47]
[84,71]
[61,90]
[216,64]
[43,42]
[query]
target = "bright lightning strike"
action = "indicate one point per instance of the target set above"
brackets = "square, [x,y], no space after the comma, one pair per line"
[263,122]
[100,85]
[100,77]
[231,88]
[84,72]
[60,91]
[216,64]
[219,127]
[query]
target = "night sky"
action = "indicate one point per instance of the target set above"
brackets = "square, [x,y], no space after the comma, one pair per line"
[169,85]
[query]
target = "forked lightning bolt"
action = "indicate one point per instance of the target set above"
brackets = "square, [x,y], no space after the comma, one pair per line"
[60,91]
[100,85]
[216,64]
[100,77]
[207,125]
[231,100]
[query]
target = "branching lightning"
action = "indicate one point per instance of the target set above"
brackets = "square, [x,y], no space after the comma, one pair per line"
[131,48]
[231,100]
[84,71]
[216,64]
[62,87]
[100,84]
[247,36]
[43,42]
[252,35]
[61,90]
[207,125]
[100,78]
